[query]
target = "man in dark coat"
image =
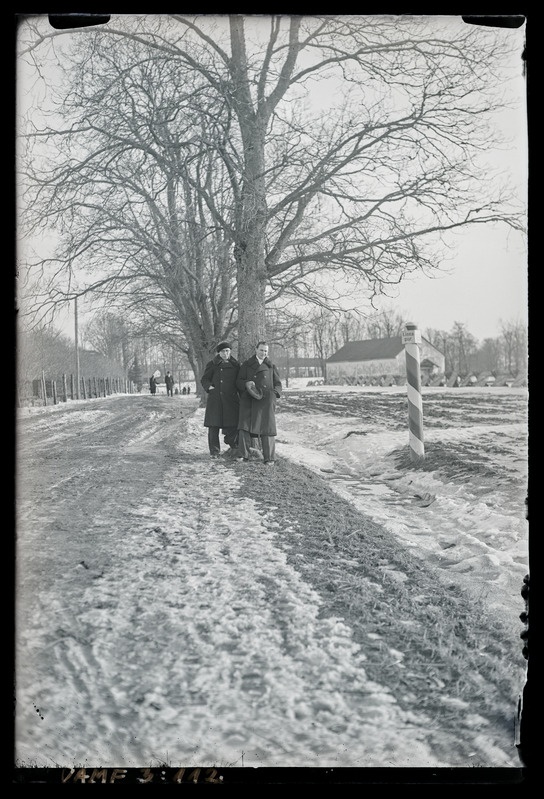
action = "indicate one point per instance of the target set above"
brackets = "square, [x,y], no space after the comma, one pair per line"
[169,380]
[153,384]
[222,402]
[259,385]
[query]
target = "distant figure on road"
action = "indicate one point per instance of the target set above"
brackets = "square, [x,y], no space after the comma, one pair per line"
[184,390]
[153,384]
[222,402]
[188,389]
[259,385]
[169,380]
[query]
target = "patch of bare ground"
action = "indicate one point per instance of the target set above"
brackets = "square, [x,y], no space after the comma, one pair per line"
[452,461]
[423,638]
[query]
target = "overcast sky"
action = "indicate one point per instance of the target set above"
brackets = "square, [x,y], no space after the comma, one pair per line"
[487,286]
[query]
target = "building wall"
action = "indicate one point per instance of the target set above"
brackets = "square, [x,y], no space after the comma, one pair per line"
[385,366]
[427,350]
[339,369]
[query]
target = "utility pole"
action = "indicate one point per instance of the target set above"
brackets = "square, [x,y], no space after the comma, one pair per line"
[78,381]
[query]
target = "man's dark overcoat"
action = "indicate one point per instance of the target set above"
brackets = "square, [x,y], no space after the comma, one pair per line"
[222,402]
[258,417]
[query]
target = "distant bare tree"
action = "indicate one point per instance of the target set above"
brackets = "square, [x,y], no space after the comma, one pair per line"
[108,334]
[324,341]
[43,349]
[464,347]
[488,357]
[513,342]
[385,324]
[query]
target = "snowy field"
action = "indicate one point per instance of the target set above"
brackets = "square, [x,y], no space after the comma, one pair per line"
[474,527]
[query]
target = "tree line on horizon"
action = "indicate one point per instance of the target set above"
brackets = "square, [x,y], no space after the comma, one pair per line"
[316,335]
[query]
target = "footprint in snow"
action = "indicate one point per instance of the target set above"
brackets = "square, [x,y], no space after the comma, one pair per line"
[424,500]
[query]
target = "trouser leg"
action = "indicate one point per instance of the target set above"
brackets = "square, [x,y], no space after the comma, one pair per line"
[213,440]
[231,436]
[269,447]
[244,443]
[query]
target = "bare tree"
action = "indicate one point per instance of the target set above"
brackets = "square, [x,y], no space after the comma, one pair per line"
[43,349]
[464,345]
[323,337]
[124,201]
[385,324]
[444,342]
[513,342]
[488,357]
[358,183]
[107,333]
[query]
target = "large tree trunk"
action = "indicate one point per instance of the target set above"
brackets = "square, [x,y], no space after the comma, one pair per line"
[251,300]
[250,254]
[249,250]
[198,363]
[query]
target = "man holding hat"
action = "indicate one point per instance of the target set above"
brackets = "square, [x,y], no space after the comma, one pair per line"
[222,402]
[259,385]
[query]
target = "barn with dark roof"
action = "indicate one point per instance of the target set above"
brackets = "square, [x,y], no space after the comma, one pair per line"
[379,357]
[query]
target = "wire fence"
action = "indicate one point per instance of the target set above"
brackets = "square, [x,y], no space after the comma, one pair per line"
[54,390]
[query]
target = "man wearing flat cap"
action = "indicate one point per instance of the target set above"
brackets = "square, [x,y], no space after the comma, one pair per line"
[259,385]
[222,401]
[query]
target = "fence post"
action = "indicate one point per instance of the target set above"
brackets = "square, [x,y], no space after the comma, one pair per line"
[44,388]
[64,389]
[54,391]
[411,340]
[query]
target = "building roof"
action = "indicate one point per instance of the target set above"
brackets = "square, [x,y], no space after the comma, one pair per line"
[372,349]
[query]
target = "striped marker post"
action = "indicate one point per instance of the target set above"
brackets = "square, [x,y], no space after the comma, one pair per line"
[411,340]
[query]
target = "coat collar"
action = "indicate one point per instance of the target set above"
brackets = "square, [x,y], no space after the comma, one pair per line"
[266,361]
[232,361]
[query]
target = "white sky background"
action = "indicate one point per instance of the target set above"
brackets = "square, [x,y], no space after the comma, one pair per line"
[487,286]
[486,279]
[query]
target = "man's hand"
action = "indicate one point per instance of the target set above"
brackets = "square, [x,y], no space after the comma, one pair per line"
[253,391]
